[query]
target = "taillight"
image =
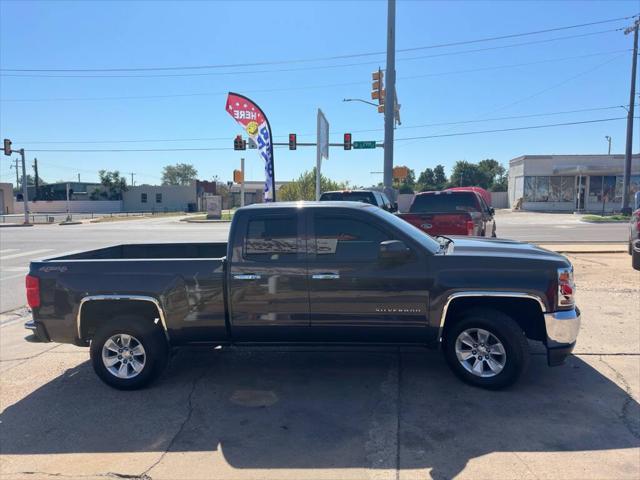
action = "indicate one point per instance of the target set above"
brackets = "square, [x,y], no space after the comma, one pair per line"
[470,227]
[566,287]
[33,291]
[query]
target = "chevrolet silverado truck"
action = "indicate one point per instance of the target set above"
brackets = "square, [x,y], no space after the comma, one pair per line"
[309,273]
[452,212]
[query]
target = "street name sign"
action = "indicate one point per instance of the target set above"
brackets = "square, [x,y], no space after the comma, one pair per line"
[367,144]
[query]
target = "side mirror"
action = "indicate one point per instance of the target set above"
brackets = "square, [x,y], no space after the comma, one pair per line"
[492,210]
[393,250]
[394,207]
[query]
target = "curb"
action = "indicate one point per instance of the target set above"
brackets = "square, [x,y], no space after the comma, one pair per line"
[186,220]
[13,225]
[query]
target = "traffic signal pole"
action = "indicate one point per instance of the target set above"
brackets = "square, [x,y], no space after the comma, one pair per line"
[626,209]
[390,99]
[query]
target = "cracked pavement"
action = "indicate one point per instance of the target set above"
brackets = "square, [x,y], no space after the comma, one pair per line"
[335,413]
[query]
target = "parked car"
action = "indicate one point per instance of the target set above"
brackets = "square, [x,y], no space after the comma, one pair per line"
[309,273]
[452,212]
[373,197]
[634,239]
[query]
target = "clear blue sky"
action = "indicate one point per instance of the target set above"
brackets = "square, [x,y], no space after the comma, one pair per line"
[579,73]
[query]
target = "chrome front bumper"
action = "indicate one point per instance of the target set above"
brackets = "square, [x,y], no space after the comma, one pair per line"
[562,327]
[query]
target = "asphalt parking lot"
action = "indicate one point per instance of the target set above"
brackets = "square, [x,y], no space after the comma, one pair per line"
[335,413]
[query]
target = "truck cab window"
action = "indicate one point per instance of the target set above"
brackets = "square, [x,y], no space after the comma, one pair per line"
[346,239]
[272,239]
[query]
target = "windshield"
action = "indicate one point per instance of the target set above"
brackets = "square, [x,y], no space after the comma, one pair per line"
[444,203]
[364,197]
[414,232]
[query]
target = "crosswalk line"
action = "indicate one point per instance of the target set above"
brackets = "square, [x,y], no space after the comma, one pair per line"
[7,250]
[31,253]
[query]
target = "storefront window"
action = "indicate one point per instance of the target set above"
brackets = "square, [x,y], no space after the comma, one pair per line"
[542,189]
[549,189]
[529,189]
[595,188]
[634,186]
[568,189]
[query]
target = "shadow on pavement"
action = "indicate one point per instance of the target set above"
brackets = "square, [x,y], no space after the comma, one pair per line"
[316,410]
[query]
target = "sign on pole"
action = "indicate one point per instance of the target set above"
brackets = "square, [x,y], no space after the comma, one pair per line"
[361,145]
[322,148]
[255,122]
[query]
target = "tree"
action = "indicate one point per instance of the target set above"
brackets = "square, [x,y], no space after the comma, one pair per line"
[179,174]
[304,187]
[467,174]
[432,179]
[113,186]
[496,173]
[439,177]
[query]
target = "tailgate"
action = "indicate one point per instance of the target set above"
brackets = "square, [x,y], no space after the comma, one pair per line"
[441,223]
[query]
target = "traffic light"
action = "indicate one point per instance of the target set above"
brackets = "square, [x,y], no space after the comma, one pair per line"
[293,141]
[7,146]
[239,143]
[377,88]
[347,141]
[237,176]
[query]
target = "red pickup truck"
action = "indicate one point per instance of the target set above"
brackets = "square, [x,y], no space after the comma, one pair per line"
[452,212]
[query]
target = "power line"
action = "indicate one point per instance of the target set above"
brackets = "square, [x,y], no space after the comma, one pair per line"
[530,127]
[320,67]
[308,87]
[408,127]
[334,57]
[203,149]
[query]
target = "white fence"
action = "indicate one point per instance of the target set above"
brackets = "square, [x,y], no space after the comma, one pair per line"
[75,206]
[499,199]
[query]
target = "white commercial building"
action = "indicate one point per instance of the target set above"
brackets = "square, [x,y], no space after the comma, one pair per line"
[567,183]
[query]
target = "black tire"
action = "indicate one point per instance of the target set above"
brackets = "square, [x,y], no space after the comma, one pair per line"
[149,335]
[635,260]
[506,330]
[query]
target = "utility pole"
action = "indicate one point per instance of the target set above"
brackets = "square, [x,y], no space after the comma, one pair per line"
[242,183]
[608,139]
[36,179]
[626,209]
[17,173]
[78,178]
[132,174]
[390,99]
[25,191]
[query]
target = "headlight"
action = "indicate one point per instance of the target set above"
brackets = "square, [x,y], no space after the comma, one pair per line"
[566,287]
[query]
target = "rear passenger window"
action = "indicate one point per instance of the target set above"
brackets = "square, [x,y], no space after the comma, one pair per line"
[272,238]
[342,239]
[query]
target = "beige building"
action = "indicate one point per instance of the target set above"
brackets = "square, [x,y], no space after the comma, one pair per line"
[567,183]
[6,198]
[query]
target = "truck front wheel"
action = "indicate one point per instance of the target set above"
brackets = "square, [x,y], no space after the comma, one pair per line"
[128,353]
[486,348]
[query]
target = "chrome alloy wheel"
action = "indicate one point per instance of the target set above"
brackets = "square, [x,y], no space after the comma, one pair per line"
[123,356]
[480,352]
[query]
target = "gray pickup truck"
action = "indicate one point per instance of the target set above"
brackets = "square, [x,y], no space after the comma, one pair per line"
[310,273]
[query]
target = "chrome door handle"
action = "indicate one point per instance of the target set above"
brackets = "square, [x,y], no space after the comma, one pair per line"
[247,276]
[325,276]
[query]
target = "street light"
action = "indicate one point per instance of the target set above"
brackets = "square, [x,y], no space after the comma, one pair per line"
[359,100]
[608,139]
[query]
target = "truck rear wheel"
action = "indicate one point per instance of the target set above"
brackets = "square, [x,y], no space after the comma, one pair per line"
[486,348]
[128,353]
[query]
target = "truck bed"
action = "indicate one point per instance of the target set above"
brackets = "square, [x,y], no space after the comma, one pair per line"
[150,250]
[187,280]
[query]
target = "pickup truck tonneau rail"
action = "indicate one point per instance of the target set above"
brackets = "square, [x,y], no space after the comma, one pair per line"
[310,273]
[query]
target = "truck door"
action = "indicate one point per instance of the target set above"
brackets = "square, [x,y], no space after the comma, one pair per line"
[354,296]
[268,298]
